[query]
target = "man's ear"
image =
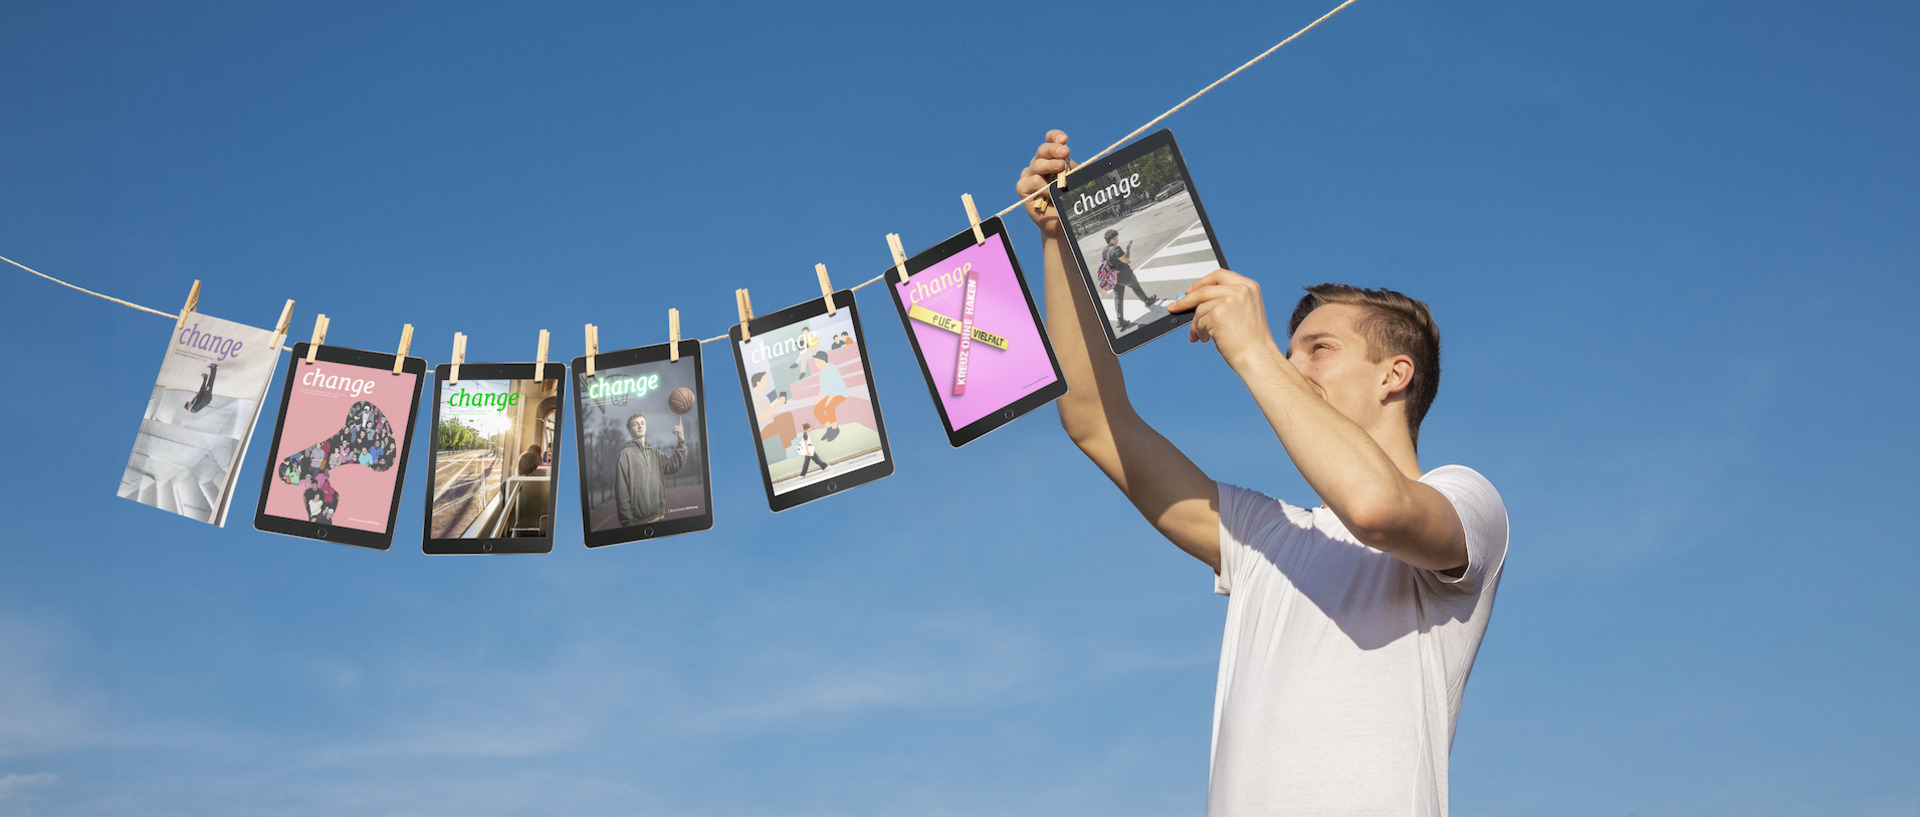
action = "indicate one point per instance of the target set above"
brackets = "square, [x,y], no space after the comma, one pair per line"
[1397,376]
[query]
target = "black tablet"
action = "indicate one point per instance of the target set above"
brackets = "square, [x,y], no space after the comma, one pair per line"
[811,404]
[496,458]
[640,424]
[340,447]
[976,333]
[1137,228]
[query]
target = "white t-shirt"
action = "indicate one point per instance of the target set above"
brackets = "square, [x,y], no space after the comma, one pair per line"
[1342,667]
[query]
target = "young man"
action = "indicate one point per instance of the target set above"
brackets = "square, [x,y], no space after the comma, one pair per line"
[1351,628]
[640,473]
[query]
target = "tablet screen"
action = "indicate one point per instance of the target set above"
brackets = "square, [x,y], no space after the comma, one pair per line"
[975,288]
[1140,235]
[494,456]
[643,447]
[813,406]
[341,432]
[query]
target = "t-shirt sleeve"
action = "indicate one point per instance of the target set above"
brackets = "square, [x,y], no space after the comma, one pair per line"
[1483,515]
[1245,516]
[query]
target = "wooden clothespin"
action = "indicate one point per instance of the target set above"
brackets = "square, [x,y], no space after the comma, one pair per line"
[973,216]
[406,342]
[745,305]
[826,286]
[899,254]
[540,362]
[1061,179]
[673,335]
[319,335]
[459,357]
[193,302]
[280,329]
[593,346]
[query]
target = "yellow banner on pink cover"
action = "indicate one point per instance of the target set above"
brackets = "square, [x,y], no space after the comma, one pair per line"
[937,320]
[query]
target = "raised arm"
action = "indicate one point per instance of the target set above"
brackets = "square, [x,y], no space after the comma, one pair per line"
[1166,487]
[1339,414]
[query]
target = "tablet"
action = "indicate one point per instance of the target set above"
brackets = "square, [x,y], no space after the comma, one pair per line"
[811,404]
[640,428]
[976,333]
[496,457]
[1137,228]
[340,447]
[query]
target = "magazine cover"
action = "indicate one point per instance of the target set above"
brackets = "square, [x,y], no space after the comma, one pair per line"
[976,332]
[493,458]
[1141,236]
[643,447]
[342,430]
[812,401]
[199,418]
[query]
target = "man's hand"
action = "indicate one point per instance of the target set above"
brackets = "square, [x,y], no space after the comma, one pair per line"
[1227,311]
[1051,158]
[679,430]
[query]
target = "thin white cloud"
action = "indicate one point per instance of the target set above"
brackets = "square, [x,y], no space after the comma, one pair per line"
[10,782]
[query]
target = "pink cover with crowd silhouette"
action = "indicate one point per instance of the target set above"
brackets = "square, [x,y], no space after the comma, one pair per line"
[344,427]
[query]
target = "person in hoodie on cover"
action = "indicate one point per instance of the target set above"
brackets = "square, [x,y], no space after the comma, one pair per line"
[640,493]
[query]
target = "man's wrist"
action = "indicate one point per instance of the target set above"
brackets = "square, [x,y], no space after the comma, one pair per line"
[1258,358]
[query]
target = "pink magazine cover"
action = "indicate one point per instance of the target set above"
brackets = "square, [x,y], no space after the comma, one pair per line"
[1005,360]
[339,442]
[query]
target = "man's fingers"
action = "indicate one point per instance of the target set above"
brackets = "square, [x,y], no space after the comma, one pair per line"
[1057,135]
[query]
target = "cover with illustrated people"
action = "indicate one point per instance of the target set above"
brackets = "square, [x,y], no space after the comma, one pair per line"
[643,452]
[342,431]
[199,418]
[812,401]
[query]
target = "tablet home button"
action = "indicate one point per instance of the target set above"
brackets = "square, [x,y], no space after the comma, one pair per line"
[486,547]
[1007,414]
[322,534]
[646,531]
[829,487]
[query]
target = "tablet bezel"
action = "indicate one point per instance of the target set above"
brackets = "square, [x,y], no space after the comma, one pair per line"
[1145,333]
[638,356]
[524,544]
[994,230]
[786,317]
[340,534]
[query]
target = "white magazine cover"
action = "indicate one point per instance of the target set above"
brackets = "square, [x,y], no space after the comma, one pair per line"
[198,421]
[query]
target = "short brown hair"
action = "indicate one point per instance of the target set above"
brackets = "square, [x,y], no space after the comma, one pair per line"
[1395,325]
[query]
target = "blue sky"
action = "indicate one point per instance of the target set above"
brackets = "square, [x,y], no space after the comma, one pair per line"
[1661,240]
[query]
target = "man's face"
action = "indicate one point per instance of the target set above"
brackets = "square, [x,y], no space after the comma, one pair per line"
[637,428]
[1330,351]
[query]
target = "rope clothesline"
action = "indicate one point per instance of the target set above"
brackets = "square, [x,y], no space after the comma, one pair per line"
[856,288]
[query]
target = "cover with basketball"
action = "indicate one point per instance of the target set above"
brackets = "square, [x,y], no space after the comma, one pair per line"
[199,417]
[642,456]
[340,436]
